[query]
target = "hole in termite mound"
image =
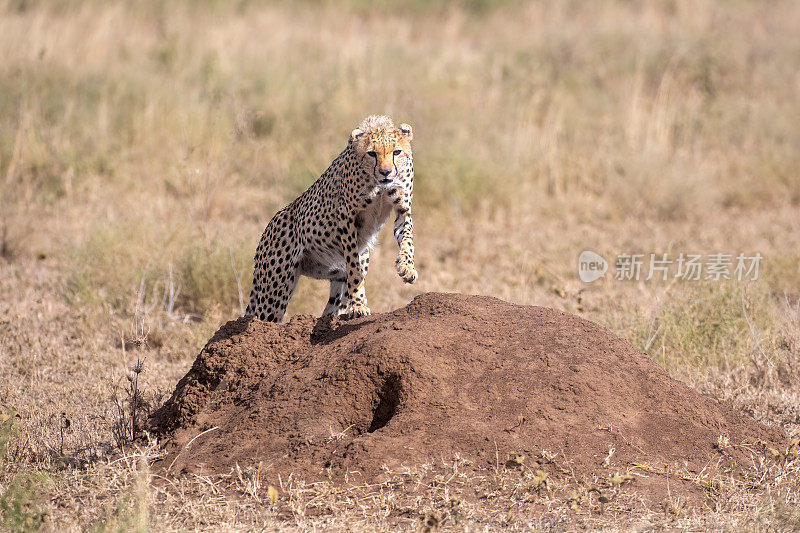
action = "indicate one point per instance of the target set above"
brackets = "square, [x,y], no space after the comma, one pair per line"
[388,401]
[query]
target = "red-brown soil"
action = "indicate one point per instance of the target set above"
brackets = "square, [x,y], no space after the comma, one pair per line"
[448,374]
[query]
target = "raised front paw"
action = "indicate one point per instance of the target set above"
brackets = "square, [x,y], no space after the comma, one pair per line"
[406,270]
[356,310]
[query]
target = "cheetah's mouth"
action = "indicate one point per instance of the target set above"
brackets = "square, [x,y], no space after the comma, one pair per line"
[385,181]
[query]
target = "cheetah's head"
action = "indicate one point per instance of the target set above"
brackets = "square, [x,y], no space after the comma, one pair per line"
[382,149]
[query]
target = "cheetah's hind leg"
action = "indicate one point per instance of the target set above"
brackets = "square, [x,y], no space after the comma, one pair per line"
[275,279]
[279,289]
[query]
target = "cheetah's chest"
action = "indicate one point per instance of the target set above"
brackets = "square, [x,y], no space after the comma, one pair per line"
[371,219]
[324,258]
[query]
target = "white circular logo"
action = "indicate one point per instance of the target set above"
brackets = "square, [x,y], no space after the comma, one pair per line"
[591,266]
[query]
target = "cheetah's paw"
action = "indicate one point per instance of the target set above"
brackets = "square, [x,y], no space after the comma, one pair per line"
[407,271]
[357,310]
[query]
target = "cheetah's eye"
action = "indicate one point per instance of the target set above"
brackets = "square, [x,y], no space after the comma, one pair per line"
[371,153]
[397,152]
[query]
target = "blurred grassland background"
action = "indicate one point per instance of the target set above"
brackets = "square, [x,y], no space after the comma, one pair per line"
[145,145]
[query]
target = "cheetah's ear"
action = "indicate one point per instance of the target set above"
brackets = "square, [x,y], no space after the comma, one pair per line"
[406,129]
[355,134]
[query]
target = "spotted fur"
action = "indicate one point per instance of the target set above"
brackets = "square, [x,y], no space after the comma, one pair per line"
[329,230]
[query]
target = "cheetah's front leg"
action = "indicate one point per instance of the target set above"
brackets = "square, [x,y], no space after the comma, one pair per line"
[356,269]
[337,300]
[403,232]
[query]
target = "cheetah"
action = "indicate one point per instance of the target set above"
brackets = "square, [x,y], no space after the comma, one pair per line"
[329,230]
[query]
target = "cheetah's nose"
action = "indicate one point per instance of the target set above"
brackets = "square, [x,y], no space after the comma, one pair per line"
[385,171]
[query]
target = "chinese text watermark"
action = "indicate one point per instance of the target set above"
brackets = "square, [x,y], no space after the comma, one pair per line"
[661,266]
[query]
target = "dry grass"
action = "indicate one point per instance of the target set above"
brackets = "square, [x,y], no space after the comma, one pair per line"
[144,146]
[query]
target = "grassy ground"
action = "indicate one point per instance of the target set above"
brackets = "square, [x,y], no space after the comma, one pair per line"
[144,146]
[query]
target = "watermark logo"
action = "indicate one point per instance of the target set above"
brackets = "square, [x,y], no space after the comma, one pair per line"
[688,267]
[591,266]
